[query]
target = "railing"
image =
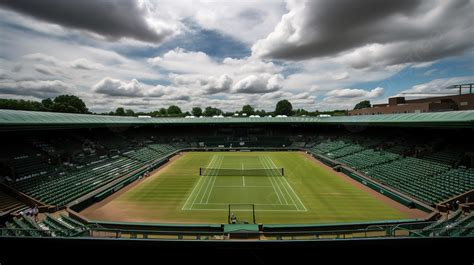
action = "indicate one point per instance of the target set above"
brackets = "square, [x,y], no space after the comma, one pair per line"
[378,231]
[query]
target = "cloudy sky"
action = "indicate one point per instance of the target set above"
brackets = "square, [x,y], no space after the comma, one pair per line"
[319,54]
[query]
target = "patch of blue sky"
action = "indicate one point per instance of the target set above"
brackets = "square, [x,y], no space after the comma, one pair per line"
[214,43]
[411,76]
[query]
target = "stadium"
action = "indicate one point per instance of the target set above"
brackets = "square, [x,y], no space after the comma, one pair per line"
[399,176]
[210,131]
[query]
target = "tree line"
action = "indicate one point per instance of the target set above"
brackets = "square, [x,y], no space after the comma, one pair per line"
[74,104]
[63,103]
[283,107]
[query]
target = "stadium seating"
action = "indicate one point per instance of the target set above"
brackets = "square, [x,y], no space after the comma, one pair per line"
[464,227]
[431,179]
[347,150]
[31,165]
[63,226]
[398,149]
[428,181]
[8,204]
[68,185]
[448,157]
[329,146]
[368,158]
[458,224]
[297,145]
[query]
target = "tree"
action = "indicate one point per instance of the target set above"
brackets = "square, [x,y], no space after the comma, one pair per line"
[129,112]
[69,103]
[283,107]
[162,112]
[47,104]
[249,110]
[21,104]
[301,112]
[196,111]
[120,111]
[363,104]
[64,103]
[210,111]
[261,113]
[174,110]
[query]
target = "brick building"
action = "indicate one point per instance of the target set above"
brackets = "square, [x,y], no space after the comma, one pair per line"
[431,104]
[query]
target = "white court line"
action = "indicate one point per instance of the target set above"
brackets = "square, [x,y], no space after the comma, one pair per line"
[268,160]
[271,182]
[214,179]
[195,187]
[259,210]
[296,195]
[206,180]
[277,188]
[243,177]
[215,203]
[247,186]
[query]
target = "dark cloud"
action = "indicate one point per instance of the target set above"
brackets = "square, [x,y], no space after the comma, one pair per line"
[17,68]
[44,70]
[36,88]
[328,27]
[110,18]
[252,16]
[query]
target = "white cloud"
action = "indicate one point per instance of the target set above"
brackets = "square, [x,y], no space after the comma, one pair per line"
[41,57]
[114,87]
[355,93]
[108,71]
[257,84]
[246,21]
[217,85]
[180,60]
[85,64]
[118,88]
[436,86]
[200,72]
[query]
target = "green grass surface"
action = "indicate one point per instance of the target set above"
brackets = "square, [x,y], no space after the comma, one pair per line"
[308,193]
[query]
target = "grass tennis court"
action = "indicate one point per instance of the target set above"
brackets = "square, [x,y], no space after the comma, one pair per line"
[308,192]
[269,192]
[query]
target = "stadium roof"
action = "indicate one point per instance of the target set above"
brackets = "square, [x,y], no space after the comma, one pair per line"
[16,119]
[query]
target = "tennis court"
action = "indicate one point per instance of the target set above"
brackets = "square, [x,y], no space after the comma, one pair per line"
[198,187]
[268,191]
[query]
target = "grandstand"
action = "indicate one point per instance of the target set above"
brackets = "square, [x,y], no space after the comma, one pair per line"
[9,204]
[67,185]
[72,166]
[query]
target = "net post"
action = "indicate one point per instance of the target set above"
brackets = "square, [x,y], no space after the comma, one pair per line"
[282,171]
[253,211]
[200,171]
